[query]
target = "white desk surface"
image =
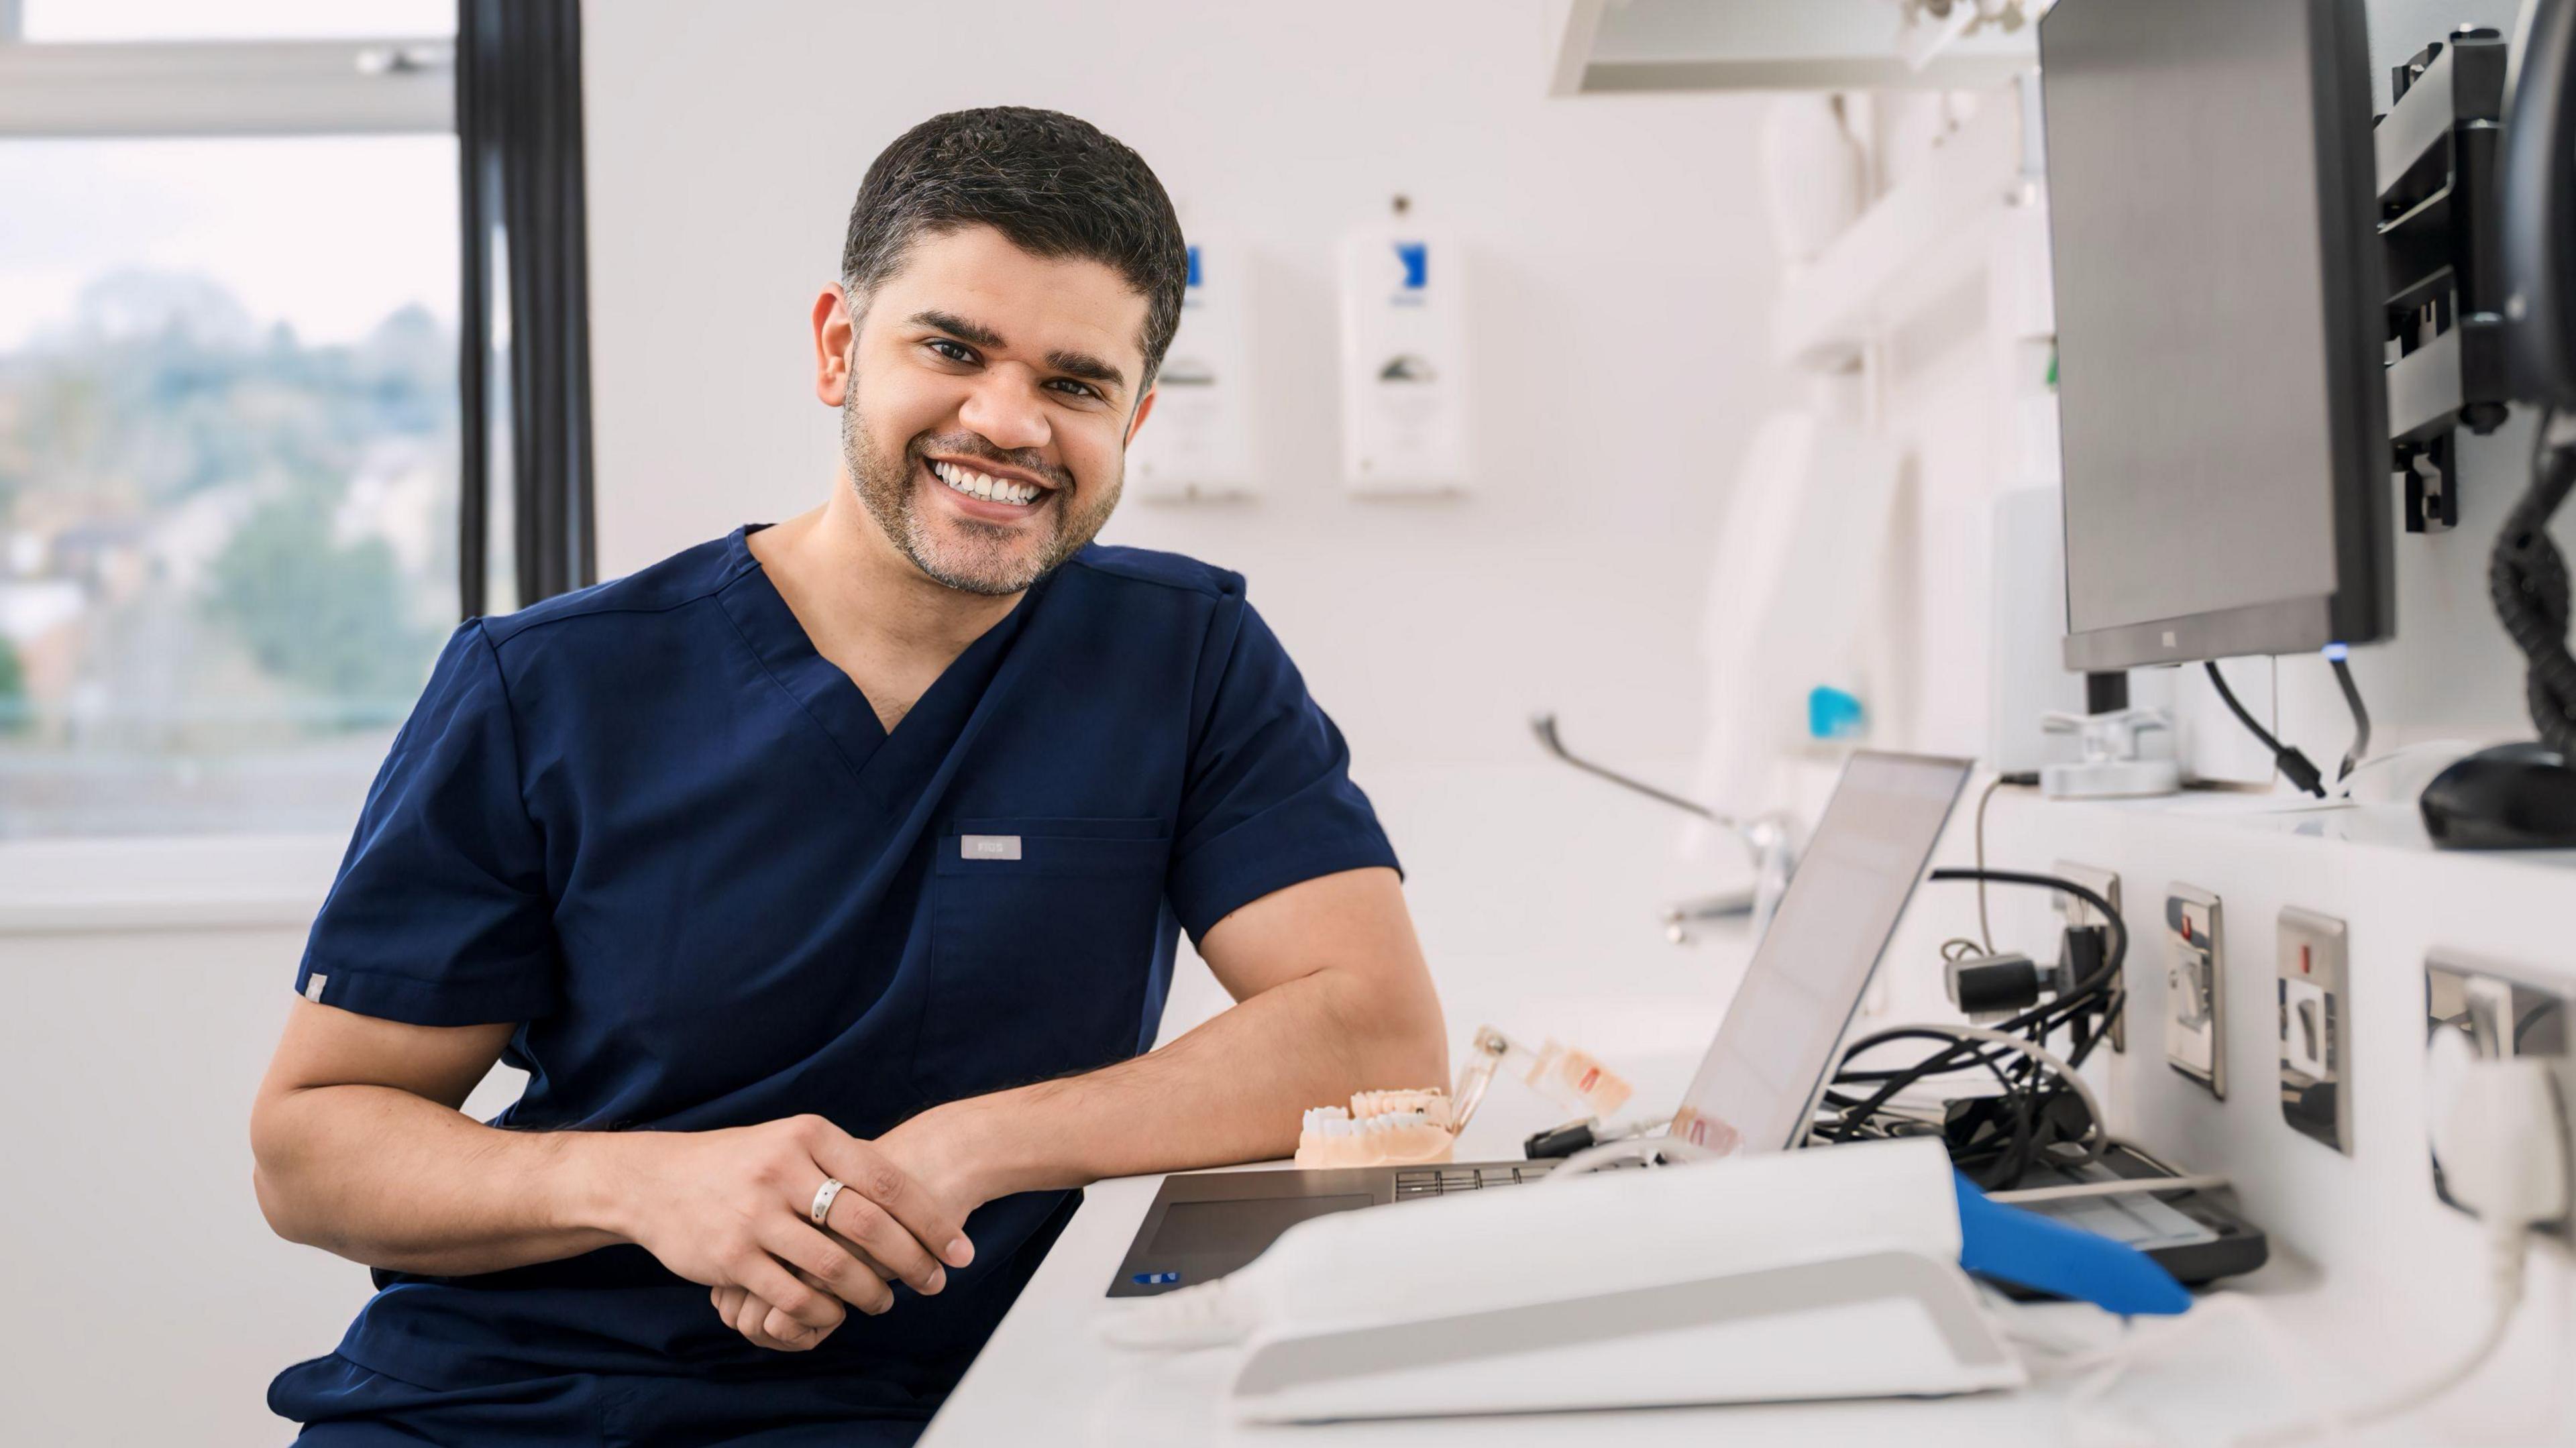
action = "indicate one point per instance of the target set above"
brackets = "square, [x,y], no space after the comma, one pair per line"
[1047,1378]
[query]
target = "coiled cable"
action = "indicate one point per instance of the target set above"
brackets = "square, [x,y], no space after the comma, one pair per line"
[2527,581]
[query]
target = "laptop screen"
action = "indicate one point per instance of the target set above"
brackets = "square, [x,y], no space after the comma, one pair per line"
[1760,1081]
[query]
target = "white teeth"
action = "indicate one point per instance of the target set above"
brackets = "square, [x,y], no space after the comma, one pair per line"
[976,485]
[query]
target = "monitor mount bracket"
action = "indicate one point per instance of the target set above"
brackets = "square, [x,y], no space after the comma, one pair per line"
[2437,147]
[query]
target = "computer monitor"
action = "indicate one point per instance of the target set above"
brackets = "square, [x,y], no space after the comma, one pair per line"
[1758,1086]
[2212,207]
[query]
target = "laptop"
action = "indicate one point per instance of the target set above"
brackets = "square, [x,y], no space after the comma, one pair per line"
[1756,1090]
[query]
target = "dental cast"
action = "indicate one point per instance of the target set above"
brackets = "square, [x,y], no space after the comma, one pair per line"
[1380,1128]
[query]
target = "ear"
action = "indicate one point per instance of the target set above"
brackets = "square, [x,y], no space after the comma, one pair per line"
[836,328]
[1143,409]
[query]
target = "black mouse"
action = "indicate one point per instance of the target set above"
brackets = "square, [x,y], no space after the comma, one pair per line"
[2511,797]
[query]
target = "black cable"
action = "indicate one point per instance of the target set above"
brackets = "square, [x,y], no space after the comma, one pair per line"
[2015,1093]
[2360,714]
[2527,582]
[2113,1002]
[2302,774]
[2099,991]
[1993,1064]
[2112,958]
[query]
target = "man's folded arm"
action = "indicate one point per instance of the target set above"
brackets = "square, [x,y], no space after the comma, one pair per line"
[1332,996]
[360,1149]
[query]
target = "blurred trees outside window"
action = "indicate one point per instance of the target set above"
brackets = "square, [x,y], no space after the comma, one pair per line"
[228,461]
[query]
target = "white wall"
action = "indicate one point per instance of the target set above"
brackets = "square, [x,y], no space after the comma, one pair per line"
[148,1301]
[1622,271]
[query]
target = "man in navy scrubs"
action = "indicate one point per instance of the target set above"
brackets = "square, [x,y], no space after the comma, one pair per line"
[825,879]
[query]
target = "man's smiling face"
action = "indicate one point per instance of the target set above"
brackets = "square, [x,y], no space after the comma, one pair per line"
[990,399]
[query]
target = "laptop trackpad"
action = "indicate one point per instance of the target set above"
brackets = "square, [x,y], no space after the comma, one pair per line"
[1254,1223]
[1203,1240]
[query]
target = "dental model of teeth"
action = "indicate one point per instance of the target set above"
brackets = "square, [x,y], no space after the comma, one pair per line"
[1380,1128]
[975,485]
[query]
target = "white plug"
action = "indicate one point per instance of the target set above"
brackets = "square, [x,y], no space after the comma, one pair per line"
[2502,1144]
[2497,1134]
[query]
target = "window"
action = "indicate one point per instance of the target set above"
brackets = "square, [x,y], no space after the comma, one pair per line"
[228,417]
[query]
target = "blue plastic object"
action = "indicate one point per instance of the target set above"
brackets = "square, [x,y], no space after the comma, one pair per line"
[1834,713]
[2029,1250]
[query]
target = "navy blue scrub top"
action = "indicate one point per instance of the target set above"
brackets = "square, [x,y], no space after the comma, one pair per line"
[651,823]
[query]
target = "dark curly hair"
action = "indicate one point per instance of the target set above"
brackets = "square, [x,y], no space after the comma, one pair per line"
[1055,185]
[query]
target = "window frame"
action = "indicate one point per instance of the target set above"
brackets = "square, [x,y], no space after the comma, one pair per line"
[180,89]
[64,89]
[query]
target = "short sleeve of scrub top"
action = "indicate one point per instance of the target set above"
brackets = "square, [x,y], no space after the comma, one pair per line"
[1269,802]
[439,916]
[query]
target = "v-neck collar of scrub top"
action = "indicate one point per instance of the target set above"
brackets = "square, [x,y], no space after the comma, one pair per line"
[887,764]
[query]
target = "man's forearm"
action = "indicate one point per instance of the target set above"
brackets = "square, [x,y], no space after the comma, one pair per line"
[1231,1090]
[394,1180]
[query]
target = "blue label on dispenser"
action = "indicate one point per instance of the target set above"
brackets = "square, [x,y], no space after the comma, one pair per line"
[1416,256]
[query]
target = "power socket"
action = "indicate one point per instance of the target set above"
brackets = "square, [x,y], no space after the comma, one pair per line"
[2195,989]
[2500,1011]
[2313,988]
[2105,883]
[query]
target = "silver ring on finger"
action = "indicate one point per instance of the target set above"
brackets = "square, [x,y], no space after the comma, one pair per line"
[823,1195]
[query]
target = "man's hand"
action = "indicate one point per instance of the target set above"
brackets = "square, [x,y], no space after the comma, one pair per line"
[936,1153]
[751,1316]
[729,1209]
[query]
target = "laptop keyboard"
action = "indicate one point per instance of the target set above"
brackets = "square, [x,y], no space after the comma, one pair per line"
[1441,1181]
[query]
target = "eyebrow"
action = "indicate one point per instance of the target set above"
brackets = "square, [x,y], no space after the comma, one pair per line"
[1088,368]
[1071,364]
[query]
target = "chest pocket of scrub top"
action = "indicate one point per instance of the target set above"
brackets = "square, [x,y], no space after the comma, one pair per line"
[1042,935]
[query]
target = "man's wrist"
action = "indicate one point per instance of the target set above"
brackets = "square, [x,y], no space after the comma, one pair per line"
[982,1147]
[579,1184]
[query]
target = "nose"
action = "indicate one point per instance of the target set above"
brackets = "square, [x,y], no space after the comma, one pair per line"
[1004,407]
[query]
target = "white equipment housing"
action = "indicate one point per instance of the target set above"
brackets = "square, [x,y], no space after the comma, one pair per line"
[1796,1275]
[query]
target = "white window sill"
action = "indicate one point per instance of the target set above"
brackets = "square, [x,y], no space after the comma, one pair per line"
[211,882]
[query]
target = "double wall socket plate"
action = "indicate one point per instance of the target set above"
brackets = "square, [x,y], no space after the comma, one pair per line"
[2502,1011]
[2105,883]
[2314,991]
[2195,989]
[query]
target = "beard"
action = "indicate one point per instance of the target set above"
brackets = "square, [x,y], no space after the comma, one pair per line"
[971,556]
